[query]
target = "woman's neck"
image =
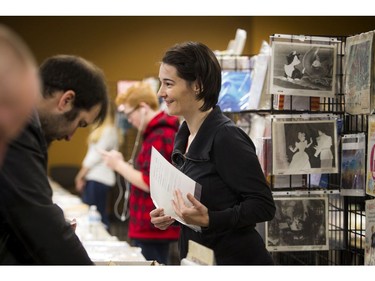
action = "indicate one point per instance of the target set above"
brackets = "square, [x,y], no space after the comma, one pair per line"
[194,123]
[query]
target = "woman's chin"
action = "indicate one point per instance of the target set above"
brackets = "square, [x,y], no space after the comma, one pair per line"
[170,111]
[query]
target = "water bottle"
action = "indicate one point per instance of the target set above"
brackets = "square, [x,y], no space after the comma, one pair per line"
[94,222]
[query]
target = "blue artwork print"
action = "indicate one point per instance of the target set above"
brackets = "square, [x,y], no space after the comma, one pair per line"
[353,162]
[235,90]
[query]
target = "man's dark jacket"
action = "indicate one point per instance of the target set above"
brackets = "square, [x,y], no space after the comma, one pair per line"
[33,229]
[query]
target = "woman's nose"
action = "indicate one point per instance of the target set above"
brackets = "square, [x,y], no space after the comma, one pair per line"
[161,92]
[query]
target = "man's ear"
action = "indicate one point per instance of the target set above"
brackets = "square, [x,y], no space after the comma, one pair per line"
[66,101]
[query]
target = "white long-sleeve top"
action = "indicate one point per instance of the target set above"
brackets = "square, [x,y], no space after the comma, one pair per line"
[98,170]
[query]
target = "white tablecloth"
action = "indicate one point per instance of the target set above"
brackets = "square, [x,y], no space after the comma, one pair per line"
[103,248]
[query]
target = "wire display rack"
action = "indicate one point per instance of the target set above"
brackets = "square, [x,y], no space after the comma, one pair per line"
[346,214]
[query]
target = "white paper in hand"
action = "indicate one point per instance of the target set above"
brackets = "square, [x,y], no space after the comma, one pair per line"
[164,179]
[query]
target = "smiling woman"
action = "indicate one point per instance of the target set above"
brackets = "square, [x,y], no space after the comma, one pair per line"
[210,149]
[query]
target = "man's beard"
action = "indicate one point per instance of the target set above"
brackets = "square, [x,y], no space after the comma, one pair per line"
[50,126]
[53,126]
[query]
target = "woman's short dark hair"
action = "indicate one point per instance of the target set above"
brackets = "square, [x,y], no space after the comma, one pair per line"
[68,72]
[194,61]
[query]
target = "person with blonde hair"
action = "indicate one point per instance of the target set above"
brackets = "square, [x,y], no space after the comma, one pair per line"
[141,107]
[95,179]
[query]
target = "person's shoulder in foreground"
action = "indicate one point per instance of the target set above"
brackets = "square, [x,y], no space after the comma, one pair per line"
[19,86]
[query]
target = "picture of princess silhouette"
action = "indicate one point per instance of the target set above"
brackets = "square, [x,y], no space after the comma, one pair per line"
[300,159]
[324,149]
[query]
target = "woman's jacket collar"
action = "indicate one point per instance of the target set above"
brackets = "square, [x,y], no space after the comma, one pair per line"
[201,146]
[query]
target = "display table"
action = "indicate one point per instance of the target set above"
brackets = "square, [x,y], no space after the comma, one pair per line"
[102,248]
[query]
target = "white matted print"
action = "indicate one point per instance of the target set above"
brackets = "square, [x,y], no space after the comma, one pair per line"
[358,73]
[300,224]
[304,147]
[303,69]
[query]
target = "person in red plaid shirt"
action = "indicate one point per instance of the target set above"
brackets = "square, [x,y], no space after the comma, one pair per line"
[141,108]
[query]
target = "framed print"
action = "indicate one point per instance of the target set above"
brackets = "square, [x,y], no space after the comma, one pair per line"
[300,224]
[358,73]
[304,147]
[353,163]
[303,69]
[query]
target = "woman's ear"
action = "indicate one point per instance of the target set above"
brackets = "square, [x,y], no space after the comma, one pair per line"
[66,101]
[197,88]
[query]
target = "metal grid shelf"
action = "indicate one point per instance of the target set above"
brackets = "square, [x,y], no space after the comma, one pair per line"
[346,214]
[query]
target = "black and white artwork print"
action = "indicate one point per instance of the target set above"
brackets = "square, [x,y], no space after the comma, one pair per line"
[304,147]
[303,69]
[300,224]
[359,97]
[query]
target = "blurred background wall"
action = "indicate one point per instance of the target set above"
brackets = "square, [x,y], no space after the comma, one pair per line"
[130,47]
